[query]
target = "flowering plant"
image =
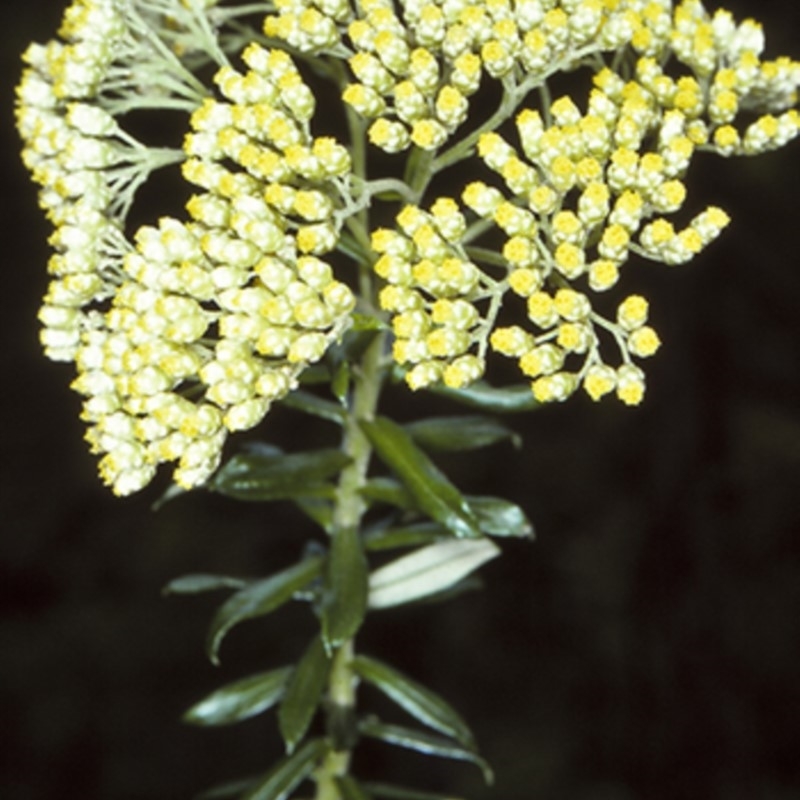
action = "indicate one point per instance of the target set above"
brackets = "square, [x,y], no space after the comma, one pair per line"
[331,250]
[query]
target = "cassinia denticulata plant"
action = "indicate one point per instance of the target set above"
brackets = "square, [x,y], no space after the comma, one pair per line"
[416,189]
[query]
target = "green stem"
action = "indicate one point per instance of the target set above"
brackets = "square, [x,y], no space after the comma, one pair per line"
[348,512]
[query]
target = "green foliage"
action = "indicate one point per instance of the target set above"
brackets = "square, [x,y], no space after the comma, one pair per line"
[307,403]
[344,602]
[303,694]
[266,473]
[195,584]
[498,517]
[393,536]
[287,774]
[423,704]
[483,397]
[350,789]
[425,743]
[427,571]
[431,490]
[258,599]
[402,793]
[240,700]
[468,432]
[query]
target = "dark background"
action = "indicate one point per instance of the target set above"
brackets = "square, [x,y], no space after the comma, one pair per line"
[645,646]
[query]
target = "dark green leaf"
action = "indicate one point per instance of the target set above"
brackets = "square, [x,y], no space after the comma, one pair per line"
[402,793]
[228,789]
[194,584]
[315,374]
[423,742]
[405,536]
[350,789]
[240,699]
[427,571]
[468,432]
[317,508]
[389,491]
[308,403]
[346,588]
[499,517]
[340,383]
[289,773]
[423,704]
[303,694]
[259,598]
[433,492]
[481,396]
[278,476]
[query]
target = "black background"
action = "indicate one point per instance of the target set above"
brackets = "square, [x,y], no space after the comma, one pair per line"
[645,646]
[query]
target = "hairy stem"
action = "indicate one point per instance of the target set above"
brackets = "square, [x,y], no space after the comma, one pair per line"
[348,513]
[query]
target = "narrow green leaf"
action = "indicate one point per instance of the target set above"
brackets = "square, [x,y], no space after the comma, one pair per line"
[318,509]
[308,403]
[346,588]
[259,598]
[201,582]
[423,704]
[303,694]
[427,571]
[483,397]
[340,383]
[350,789]
[388,491]
[405,536]
[289,773]
[499,517]
[434,493]
[234,788]
[424,743]
[315,374]
[402,793]
[240,699]
[262,476]
[468,432]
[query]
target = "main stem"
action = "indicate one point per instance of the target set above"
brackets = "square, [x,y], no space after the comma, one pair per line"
[348,512]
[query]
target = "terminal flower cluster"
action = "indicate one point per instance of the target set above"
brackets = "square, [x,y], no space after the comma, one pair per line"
[189,327]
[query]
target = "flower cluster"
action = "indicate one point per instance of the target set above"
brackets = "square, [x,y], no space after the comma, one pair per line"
[187,329]
[192,330]
[583,191]
[416,66]
[88,166]
[431,291]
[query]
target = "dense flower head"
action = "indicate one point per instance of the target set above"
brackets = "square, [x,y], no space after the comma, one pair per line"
[194,327]
[189,327]
[582,185]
